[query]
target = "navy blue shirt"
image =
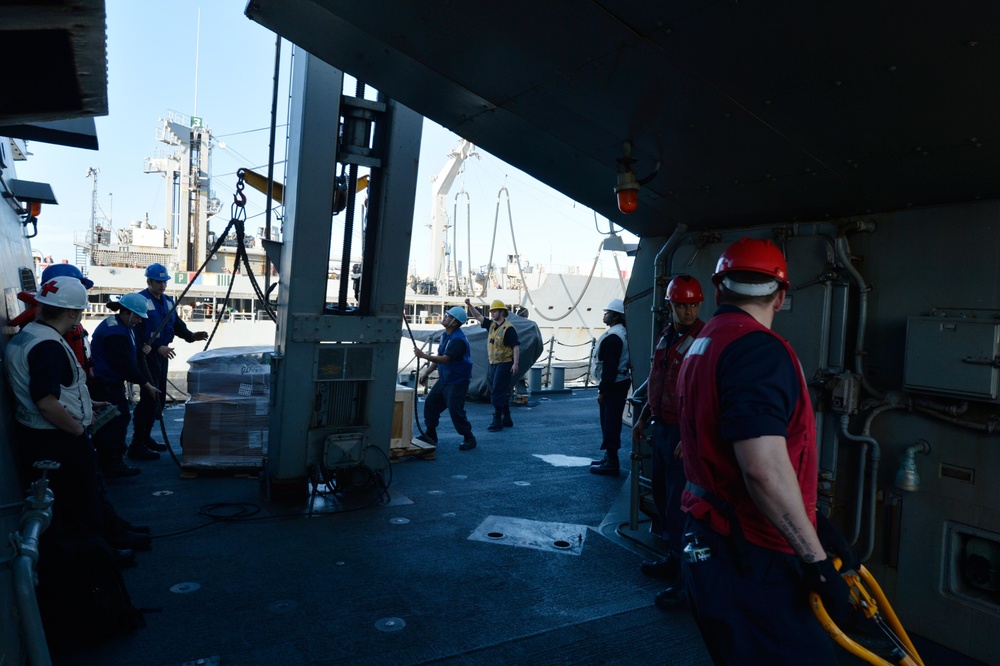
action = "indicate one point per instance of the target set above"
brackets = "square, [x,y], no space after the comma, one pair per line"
[758,386]
[49,369]
[610,354]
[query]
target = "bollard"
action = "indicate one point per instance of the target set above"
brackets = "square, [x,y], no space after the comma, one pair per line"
[558,378]
[535,379]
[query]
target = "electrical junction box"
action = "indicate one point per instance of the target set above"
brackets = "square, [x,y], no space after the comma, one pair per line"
[953,356]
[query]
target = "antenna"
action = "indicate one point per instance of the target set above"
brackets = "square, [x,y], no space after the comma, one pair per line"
[197,49]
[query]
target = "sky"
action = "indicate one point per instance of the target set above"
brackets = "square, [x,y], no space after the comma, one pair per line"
[207,59]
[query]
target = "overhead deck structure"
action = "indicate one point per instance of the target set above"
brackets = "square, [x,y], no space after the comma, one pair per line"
[758,112]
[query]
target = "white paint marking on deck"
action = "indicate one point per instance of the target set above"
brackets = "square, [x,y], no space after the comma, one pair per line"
[532,534]
[559,460]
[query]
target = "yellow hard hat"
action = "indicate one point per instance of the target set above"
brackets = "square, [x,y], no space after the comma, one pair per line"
[498,305]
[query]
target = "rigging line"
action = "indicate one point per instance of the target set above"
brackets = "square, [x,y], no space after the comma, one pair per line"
[520,269]
[493,243]
[454,232]
[618,269]
[259,129]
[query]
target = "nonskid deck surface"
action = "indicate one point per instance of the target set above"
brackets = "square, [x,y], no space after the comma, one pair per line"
[421,579]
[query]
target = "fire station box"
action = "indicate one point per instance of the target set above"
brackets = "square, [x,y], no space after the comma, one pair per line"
[953,356]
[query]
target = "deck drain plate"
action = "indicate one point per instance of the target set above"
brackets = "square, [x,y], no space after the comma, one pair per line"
[390,624]
[185,588]
[553,537]
[282,606]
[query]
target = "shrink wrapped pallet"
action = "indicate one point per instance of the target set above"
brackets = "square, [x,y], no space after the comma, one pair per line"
[226,420]
[230,371]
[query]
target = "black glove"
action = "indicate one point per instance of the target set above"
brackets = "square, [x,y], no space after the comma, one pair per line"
[834,543]
[824,580]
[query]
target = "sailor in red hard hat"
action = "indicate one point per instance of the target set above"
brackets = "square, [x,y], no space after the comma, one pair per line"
[660,418]
[748,438]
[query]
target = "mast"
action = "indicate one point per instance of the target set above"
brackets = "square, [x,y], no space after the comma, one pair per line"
[92,174]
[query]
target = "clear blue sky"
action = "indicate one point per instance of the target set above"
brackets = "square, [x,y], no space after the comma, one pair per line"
[152,49]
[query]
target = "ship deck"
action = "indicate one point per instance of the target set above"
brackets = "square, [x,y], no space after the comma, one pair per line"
[236,579]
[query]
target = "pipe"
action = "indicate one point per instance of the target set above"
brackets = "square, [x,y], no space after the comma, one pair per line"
[844,252]
[907,478]
[36,519]
[660,263]
[876,456]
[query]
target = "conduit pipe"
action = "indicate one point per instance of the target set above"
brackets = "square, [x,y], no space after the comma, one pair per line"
[876,456]
[660,269]
[844,252]
[36,519]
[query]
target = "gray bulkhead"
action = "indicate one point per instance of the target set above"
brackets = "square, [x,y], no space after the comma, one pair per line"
[935,549]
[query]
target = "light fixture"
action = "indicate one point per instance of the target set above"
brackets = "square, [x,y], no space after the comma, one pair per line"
[30,196]
[627,189]
[907,477]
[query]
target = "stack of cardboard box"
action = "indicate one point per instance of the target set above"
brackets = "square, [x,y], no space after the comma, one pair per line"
[226,420]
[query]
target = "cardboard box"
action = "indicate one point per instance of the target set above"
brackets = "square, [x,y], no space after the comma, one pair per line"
[225,431]
[402,418]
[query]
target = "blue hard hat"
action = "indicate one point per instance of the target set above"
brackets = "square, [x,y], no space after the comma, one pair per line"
[136,303]
[157,272]
[68,270]
[459,313]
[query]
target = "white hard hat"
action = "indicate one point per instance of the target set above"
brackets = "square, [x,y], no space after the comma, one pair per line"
[63,292]
[616,305]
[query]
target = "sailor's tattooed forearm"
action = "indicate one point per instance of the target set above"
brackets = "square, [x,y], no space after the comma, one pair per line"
[796,539]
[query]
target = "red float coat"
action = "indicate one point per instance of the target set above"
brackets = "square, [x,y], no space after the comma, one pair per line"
[710,461]
[661,391]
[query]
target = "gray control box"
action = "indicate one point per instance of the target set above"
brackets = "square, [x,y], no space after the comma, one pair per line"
[953,356]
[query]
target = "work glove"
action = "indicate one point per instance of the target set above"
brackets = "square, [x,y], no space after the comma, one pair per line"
[823,579]
[834,543]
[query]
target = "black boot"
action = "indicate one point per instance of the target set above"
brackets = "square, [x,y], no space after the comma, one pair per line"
[667,568]
[115,467]
[138,451]
[154,445]
[496,424]
[609,467]
[507,423]
[603,460]
[429,437]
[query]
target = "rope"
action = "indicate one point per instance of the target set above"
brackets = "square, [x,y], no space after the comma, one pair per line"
[589,343]
[520,269]
[493,243]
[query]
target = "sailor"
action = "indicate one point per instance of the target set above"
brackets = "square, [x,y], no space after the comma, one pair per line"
[612,370]
[116,362]
[659,413]
[749,447]
[453,362]
[54,406]
[76,336]
[157,352]
[503,351]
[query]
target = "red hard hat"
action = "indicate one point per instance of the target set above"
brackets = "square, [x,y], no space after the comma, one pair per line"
[684,289]
[753,255]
